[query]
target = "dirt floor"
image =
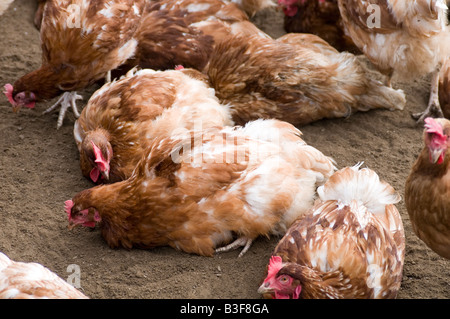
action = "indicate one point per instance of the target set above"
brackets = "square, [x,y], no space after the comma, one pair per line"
[39,170]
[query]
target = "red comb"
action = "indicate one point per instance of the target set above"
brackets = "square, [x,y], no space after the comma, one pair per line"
[275,265]
[99,159]
[433,126]
[9,93]
[179,67]
[68,204]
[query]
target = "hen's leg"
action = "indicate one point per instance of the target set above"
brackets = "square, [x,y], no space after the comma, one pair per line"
[241,241]
[108,77]
[67,100]
[434,108]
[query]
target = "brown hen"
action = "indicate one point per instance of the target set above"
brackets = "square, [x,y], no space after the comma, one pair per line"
[195,191]
[351,244]
[122,119]
[427,188]
[298,78]
[81,41]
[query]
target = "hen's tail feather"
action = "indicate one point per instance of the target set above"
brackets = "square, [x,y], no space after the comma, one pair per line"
[376,95]
[361,185]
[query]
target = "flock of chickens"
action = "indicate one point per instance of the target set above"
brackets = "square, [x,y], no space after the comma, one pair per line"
[193,143]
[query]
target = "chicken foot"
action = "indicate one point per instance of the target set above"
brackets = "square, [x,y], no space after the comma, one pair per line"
[241,241]
[434,108]
[67,100]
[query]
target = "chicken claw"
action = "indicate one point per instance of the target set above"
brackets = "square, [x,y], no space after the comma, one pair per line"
[241,241]
[67,100]
[434,108]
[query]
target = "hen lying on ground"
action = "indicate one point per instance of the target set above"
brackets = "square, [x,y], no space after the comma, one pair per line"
[350,245]
[19,280]
[81,41]
[427,195]
[122,119]
[409,39]
[298,78]
[197,190]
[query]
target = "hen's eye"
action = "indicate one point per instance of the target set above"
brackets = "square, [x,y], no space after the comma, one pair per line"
[284,279]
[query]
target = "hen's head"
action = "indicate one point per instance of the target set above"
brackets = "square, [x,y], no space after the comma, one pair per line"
[290,7]
[19,99]
[436,137]
[97,152]
[279,283]
[78,215]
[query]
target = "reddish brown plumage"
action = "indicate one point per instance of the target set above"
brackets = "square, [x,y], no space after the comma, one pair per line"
[298,78]
[351,244]
[166,39]
[427,193]
[126,115]
[74,57]
[196,190]
[39,13]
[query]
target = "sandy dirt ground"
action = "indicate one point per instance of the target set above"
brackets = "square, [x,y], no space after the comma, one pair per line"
[39,170]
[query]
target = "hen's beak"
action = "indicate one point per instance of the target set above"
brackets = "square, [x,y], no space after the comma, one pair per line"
[16,108]
[71,225]
[435,154]
[105,175]
[265,290]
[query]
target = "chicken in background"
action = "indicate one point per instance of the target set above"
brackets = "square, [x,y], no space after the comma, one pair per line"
[427,188]
[444,88]
[407,39]
[298,78]
[350,245]
[215,18]
[81,41]
[166,39]
[123,117]
[19,280]
[319,17]
[251,7]
[196,191]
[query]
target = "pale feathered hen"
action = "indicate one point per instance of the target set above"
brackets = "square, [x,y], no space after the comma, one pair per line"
[19,280]
[196,191]
[123,117]
[351,244]
[408,39]
[298,78]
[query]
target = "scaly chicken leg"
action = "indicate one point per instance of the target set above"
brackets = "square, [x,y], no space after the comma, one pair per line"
[241,241]
[67,100]
[434,108]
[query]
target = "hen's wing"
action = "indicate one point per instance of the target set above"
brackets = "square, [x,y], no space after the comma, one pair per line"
[371,15]
[79,32]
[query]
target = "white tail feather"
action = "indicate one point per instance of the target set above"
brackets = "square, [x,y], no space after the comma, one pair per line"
[360,185]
